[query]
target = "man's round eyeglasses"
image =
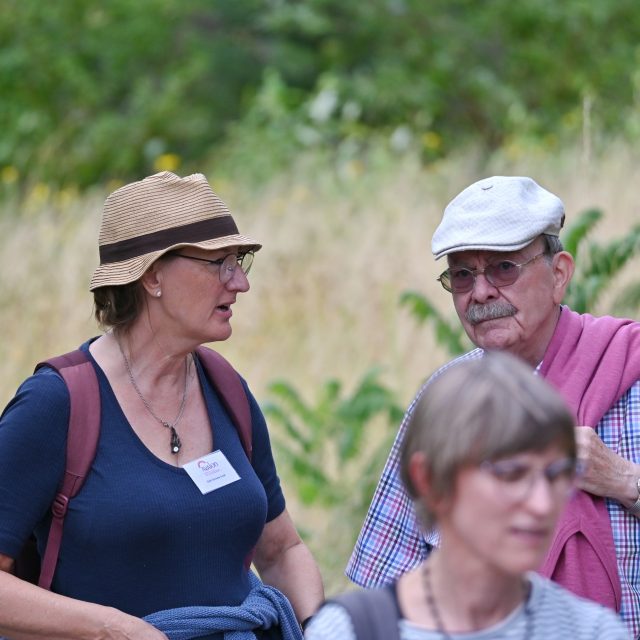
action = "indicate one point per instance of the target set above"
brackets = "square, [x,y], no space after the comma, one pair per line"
[500,273]
[226,266]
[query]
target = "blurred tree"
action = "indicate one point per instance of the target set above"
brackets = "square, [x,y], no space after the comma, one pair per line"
[459,67]
[94,90]
[100,90]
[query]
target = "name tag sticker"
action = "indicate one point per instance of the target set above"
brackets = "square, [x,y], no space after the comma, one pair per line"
[211,472]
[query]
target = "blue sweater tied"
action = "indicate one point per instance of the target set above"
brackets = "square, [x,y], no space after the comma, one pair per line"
[264,607]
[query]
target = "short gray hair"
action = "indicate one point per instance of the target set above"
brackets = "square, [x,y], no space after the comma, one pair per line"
[481,410]
[553,244]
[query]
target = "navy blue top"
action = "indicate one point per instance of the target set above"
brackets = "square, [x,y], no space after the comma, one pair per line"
[140,536]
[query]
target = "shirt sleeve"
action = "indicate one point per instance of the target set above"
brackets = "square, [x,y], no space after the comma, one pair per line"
[619,429]
[390,542]
[33,432]
[332,622]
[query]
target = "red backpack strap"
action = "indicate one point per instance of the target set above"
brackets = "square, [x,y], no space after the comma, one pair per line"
[227,383]
[82,441]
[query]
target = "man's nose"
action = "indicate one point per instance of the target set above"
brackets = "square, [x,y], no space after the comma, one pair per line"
[483,289]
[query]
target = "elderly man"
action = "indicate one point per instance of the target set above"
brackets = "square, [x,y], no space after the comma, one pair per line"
[507,275]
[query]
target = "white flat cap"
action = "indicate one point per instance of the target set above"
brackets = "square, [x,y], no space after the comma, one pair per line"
[498,214]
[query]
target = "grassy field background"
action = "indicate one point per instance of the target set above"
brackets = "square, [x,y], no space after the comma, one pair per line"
[341,243]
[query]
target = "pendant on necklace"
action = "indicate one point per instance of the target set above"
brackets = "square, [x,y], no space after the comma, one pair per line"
[176,443]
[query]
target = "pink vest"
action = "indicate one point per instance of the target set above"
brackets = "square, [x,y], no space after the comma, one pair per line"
[592,362]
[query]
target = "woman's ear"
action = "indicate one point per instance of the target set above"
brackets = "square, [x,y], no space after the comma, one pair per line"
[151,280]
[422,485]
[563,267]
[419,475]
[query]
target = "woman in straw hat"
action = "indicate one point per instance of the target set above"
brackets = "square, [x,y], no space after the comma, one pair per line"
[490,458]
[147,534]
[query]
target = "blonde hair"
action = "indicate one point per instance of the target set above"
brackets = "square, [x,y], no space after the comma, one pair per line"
[479,410]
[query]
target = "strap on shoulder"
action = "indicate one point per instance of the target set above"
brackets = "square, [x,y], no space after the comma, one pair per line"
[227,383]
[82,441]
[84,430]
[374,613]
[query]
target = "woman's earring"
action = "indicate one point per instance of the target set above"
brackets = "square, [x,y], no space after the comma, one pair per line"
[158,293]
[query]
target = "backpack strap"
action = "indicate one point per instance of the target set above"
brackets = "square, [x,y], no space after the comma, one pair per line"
[82,442]
[227,383]
[84,430]
[374,613]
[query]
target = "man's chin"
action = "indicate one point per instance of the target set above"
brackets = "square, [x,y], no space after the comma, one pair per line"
[491,335]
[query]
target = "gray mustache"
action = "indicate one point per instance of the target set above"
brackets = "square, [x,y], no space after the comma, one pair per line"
[480,312]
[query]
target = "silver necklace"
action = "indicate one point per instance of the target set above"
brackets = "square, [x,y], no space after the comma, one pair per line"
[176,443]
[437,618]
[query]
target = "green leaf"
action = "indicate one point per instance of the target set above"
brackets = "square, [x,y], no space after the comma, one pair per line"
[575,233]
[449,334]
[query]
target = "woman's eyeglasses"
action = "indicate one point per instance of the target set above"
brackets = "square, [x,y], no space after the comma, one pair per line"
[499,274]
[226,266]
[516,478]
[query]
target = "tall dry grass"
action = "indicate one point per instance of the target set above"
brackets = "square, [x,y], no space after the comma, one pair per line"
[340,245]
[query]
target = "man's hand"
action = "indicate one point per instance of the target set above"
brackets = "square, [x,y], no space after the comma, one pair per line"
[605,473]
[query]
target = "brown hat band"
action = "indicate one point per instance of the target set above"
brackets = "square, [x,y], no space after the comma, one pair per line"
[158,240]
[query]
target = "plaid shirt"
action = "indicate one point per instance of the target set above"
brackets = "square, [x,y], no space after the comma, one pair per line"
[391,542]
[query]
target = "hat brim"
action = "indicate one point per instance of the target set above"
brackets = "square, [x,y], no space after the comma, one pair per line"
[485,247]
[127,271]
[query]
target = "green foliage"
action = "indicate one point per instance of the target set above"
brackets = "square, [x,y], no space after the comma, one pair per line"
[627,302]
[96,91]
[431,76]
[598,265]
[332,452]
[575,233]
[449,333]
[337,439]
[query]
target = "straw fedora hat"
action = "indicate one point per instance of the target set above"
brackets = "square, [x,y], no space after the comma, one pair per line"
[144,220]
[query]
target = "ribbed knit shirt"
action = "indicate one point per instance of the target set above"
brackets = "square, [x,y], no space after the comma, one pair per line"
[140,536]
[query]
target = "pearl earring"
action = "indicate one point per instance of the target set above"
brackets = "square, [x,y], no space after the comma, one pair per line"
[158,293]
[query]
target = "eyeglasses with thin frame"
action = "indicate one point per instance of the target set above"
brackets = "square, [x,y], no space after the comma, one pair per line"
[500,273]
[516,479]
[226,266]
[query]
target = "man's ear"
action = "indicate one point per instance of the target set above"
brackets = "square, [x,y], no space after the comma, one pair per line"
[563,267]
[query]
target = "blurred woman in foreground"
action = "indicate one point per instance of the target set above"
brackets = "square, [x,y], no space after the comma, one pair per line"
[490,459]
